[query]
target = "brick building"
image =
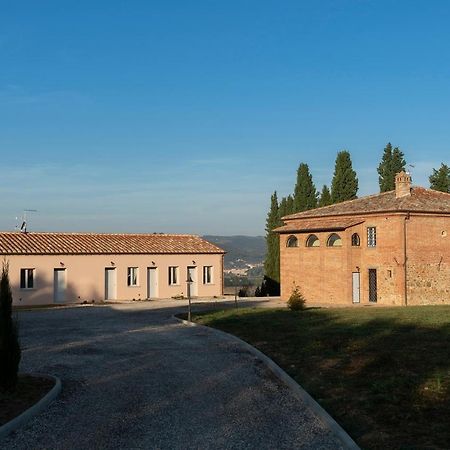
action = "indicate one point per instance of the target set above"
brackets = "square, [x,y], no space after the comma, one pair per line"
[49,268]
[391,248]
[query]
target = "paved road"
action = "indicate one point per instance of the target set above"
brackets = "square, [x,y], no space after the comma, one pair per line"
[134,378]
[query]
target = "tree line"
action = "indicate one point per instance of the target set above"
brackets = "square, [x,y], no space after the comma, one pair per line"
[343,187]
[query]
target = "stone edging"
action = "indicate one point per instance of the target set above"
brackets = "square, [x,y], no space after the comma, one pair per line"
[33,410]
[297,390]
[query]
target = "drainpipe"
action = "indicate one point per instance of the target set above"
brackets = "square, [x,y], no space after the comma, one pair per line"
[405,258]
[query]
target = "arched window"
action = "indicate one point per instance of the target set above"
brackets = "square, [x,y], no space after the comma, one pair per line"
[334,240]
[312,241]
[292,241]
[356,242]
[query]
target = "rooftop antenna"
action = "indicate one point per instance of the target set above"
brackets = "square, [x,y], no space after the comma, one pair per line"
[408,171]
[23,226]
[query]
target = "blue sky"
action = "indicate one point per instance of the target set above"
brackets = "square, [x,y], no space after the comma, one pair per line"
[176,116]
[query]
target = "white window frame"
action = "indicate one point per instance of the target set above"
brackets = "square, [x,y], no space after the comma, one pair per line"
[173,276]
[207,274]
[132,276]
[371,237]
[26,278]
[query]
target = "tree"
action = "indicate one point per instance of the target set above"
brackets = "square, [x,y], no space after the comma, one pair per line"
[440,179]
[391,164]
[305,194]
[290,204]
[282,209]
[286,207]
[272,262]
[398,163]
[9,342]
[325,197]
[345,182]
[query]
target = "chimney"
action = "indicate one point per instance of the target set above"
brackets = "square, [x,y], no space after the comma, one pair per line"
[402,184]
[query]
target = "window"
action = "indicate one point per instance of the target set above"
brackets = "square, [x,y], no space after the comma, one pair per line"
[207,274]
[173,275]
[373,285]
[355,240]
[26,278]
[371,237]
[312,241]
[334,240]
[132,276]
[292,241]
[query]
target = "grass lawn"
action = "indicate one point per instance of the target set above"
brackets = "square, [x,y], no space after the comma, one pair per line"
[382,373]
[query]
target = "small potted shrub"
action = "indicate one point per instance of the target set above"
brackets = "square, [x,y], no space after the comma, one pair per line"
[296,301]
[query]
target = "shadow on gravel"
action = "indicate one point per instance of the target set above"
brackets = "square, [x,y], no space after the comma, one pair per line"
[135,377]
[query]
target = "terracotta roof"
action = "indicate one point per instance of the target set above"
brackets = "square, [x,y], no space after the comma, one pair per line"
[420,200]
[95,243]
[318,225]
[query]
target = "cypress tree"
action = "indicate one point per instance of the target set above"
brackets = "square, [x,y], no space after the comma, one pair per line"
[325,197]
[385,176]
[290,204]
[285,208]
[345,182]
[391,164]
[282,210]
[9,342]
[272,262]
[398,163]
[440,179]
[305,194]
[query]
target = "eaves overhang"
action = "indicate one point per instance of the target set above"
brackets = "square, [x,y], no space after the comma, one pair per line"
[318,225]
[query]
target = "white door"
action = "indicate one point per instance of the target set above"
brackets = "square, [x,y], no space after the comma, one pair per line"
[110,284]
[59,285]
[152,282]
[356,287]
[192,275]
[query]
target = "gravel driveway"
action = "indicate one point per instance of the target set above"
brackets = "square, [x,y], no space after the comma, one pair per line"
[134,378]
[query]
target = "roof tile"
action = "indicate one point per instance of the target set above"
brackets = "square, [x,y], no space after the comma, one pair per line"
[420,200]
[99,243]
[318,225]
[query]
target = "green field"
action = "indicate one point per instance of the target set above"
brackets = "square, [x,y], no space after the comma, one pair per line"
[382,373]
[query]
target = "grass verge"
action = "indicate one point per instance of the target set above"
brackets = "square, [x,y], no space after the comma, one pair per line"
[382,373]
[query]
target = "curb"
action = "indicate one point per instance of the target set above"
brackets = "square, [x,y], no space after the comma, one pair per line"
[21,419]
[297,390]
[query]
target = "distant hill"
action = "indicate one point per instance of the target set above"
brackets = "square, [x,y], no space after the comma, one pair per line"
[240,249]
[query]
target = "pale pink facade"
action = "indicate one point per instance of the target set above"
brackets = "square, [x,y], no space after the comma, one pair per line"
[38,279]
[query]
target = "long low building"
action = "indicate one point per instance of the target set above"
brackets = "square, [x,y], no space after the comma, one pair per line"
[47,268]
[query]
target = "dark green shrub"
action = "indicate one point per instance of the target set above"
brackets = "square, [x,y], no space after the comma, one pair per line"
[243,291]
[296,301]
[10,352]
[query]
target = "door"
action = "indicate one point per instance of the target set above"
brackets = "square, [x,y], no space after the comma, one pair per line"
[192,275]
[356,287]
[373,285]
[59,285]
[152,282]
[110,284]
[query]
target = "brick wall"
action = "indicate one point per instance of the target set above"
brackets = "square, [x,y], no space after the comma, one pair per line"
[324,274]
[428,272]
